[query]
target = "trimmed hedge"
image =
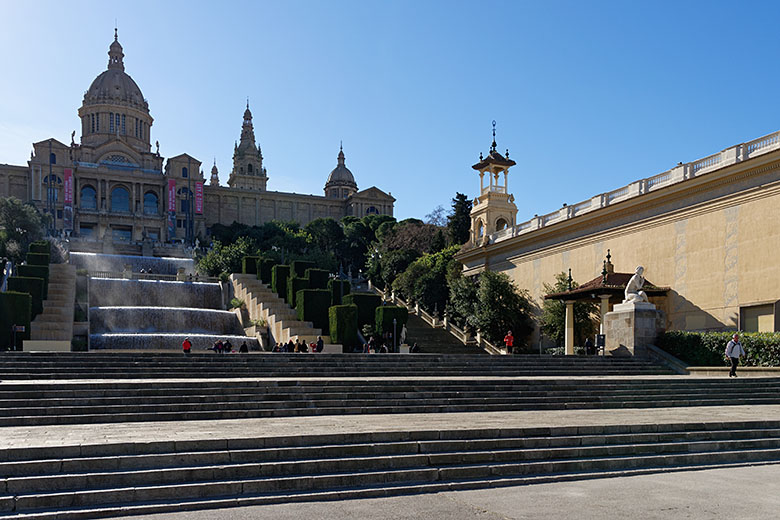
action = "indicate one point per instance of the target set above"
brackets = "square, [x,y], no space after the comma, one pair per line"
[343,325]
[295,284]
[385,315]
[38,258]
[318,278]
[299,267]
[15,309]
[709,348]
[336,287]
[367,304]
[31,286]
[249,264]
[264,267]
[36,271]
[279,276]
[41,246]
[312,305]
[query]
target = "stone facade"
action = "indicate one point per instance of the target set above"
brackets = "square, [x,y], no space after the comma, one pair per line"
[122,189]
[708,229]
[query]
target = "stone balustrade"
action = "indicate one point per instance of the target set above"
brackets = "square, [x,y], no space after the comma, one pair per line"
[679,173]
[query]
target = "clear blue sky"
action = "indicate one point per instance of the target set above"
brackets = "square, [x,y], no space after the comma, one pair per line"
[588,96]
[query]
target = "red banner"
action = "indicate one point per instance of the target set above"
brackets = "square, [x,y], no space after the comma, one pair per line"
[199,198]
[68,186]
[172,195]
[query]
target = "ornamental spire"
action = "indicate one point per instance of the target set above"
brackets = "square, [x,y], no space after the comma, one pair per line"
[115,54]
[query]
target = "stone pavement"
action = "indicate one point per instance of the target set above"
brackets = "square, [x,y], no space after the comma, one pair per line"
[108,433]
[732,493]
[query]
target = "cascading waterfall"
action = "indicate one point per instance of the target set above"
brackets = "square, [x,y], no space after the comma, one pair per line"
[116,263]
[158,315]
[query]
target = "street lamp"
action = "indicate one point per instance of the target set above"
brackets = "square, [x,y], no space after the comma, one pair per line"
[394,333]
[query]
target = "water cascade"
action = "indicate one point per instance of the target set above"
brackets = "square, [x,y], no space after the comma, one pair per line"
[116,263]
[117,292]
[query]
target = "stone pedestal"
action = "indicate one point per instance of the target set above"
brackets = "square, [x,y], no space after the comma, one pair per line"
[630,327]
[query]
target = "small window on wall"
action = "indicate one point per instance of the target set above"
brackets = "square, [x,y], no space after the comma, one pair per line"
[249,168]
[185,172]
[122,234]
[52,158]
[153,233]
[86,230]
[372,211]
[501,224]
[758,318]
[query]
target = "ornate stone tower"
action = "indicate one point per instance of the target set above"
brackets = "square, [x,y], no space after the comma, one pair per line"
[494,209]
[248,172]
[341,183]
[214,175]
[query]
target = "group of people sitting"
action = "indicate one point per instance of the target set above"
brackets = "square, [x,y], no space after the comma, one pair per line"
[300,345]
[226,347]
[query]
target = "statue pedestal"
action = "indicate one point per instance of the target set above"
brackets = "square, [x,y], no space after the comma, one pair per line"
[630,327]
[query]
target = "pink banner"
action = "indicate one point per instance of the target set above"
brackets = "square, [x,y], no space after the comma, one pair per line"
[172,195]
[68,186]
[199,198]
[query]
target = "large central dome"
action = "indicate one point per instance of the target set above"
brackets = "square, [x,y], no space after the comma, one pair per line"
[115,86]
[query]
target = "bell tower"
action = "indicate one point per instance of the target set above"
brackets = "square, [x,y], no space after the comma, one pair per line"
[494,209]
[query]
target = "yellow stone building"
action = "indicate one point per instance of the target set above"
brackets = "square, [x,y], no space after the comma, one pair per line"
[112,191]
[709,230]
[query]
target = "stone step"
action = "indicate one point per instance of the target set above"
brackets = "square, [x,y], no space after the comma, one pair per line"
[150,477]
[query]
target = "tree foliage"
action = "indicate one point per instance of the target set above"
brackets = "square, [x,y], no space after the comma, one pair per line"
[553,321]
[20,225]
[425,280]
[459,221]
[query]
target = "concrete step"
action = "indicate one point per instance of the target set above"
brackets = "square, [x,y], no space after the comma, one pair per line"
[106,480]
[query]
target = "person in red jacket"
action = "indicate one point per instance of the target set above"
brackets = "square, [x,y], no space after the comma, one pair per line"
[186,346]
[509,341]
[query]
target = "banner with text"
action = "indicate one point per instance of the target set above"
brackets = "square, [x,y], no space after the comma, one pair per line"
[171,209]
[67,214]
[199,198]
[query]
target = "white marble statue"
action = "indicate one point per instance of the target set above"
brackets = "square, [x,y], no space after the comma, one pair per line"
[634,292]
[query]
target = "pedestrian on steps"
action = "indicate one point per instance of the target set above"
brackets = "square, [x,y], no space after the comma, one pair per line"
[734,351]
[186,346]
[509,342]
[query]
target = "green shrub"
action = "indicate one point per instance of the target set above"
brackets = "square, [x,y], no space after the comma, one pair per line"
[295,284]
[708,348]
[367,304]
[264,267]
[236,303]
[37,271]
[318,278]
[224,276]
[279,276]
[299,267]
[384,318]
[312,305]
[41,246]
[31,286]
[38,259]
[343,325]
[249,264]
[338,288]
[15,309]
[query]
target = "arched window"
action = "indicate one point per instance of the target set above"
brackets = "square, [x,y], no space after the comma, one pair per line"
[52,158]
[88,198]
[372,211]
[185,172]
[150,203]
[501,224]
[480,229]
[249,168]
[120,200]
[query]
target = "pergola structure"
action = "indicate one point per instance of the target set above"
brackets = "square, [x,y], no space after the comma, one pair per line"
[608,288]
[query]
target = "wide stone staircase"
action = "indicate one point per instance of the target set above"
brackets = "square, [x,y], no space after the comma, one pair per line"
[55,324]
[263,303]
[94,481]
[435,340]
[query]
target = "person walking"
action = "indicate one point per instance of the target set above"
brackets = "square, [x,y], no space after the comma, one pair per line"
[186,346]
[509,342]
[734,351]
[320,344]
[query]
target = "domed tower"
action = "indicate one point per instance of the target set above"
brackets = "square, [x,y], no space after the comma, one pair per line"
[214,175]
[248,172]
[114,107]
[341,184]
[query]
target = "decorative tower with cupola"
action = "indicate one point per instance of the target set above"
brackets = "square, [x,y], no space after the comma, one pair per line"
[214,175]
[494,209]
[248,172]
[341,183]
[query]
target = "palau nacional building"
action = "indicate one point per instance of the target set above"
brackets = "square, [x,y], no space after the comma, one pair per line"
[113,188]
[706,232]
